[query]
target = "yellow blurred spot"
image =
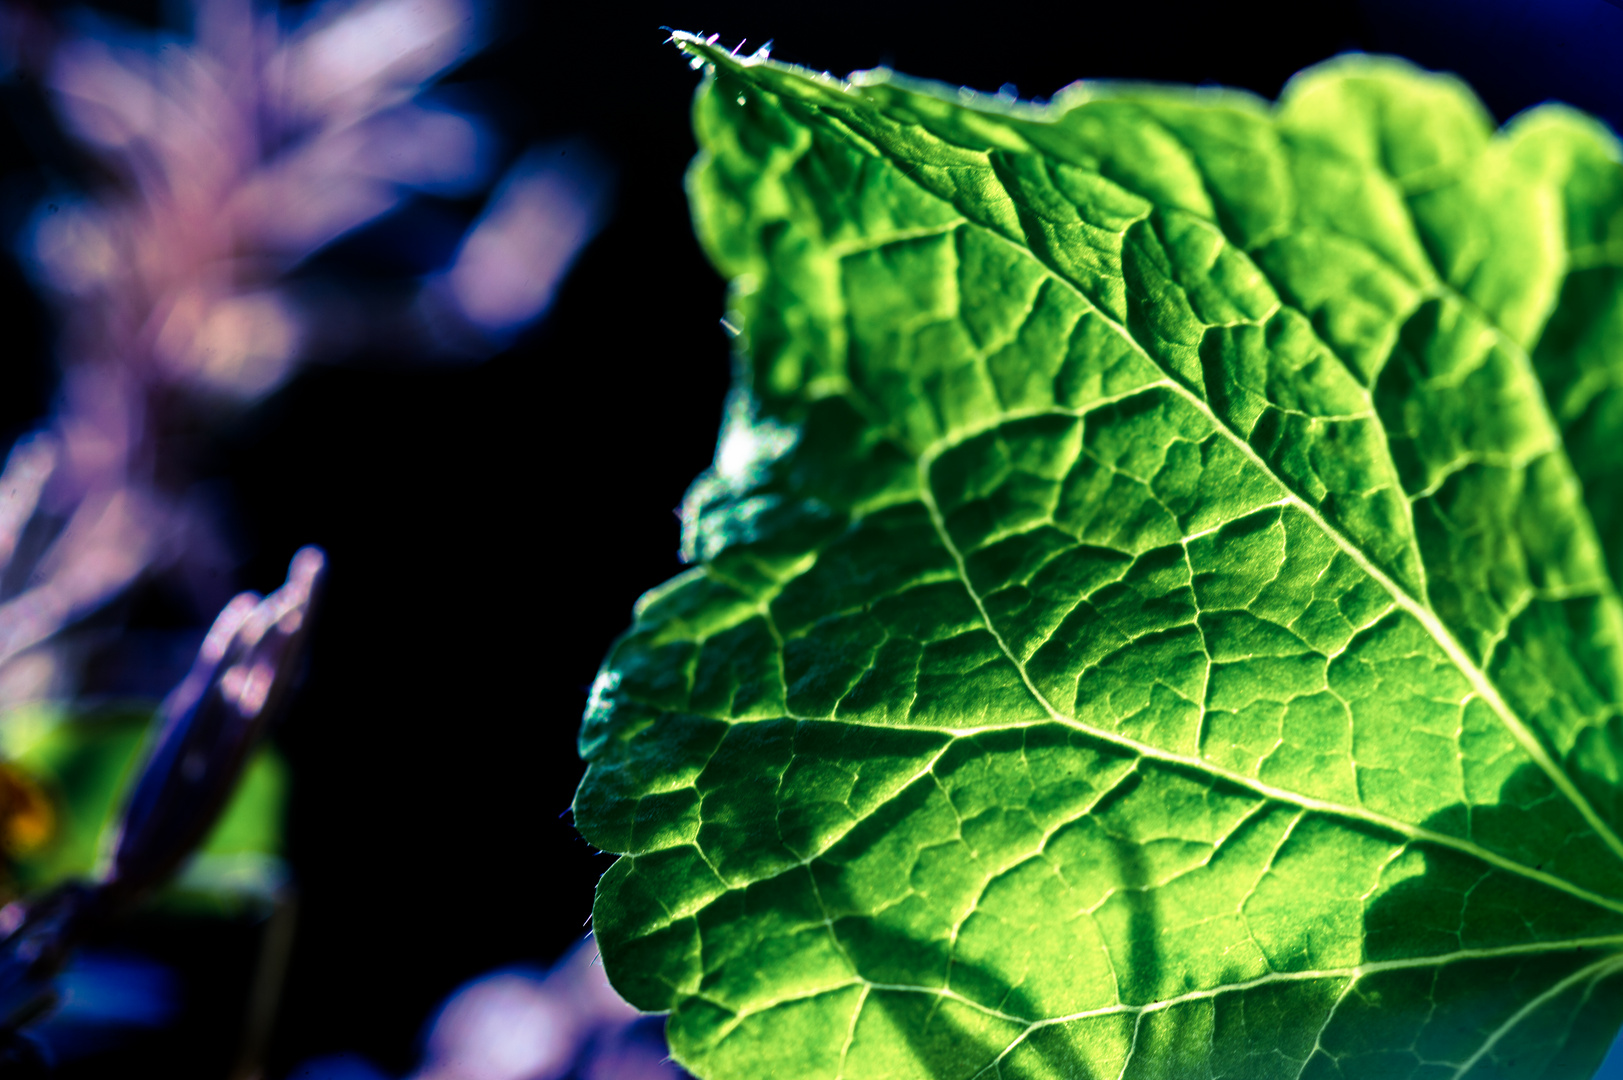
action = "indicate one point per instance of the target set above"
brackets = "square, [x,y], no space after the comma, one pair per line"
[27,818]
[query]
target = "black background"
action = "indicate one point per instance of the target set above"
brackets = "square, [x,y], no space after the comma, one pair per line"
[490,527]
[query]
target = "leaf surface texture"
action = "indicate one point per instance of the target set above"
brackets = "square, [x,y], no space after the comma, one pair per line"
[1154,610]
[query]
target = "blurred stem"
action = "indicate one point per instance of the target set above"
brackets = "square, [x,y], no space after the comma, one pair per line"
[270,974]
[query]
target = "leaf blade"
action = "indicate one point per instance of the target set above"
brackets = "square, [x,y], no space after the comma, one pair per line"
[966,463]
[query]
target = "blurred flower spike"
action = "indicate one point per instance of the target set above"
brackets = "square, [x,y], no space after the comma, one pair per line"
[223,163]
[240,154]
[210,724]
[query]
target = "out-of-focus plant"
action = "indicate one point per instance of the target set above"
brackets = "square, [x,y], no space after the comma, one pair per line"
[224,163]
[216,165]
[202,737]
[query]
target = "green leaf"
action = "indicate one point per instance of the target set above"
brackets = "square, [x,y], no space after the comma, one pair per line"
[1154,610]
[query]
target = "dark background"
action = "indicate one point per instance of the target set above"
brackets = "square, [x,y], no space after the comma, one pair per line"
[489,527]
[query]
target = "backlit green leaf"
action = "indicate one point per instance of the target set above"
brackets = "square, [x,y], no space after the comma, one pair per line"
[1154,610]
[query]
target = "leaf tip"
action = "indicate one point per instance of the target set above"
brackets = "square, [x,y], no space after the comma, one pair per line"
[702,48]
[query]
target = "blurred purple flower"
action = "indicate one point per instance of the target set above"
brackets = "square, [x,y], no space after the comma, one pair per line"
[511,262]
[526,1025]
[230,159]
[522,1023]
